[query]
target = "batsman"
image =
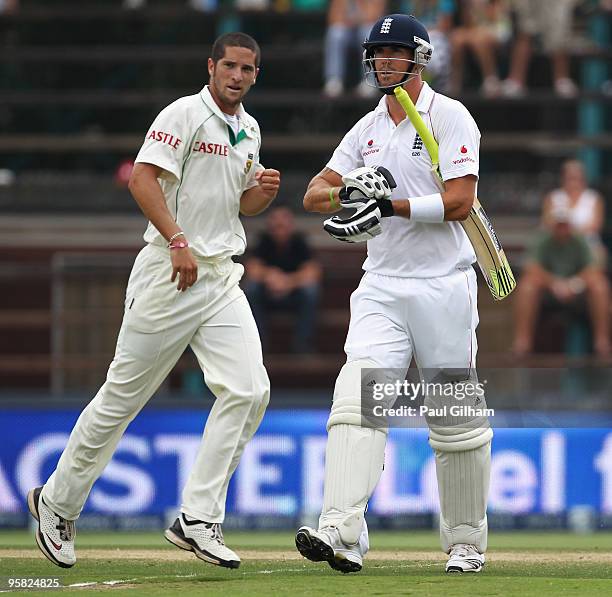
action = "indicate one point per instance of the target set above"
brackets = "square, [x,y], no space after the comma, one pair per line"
[416,299]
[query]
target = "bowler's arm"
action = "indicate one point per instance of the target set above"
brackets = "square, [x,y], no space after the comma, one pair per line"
[144,187]
[256,199]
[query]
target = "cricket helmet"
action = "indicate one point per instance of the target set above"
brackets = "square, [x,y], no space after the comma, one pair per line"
[397,30]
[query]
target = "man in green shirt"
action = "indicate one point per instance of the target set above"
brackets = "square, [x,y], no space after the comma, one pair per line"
[560,263]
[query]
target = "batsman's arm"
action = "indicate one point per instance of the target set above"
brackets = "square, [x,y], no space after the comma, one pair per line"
[458,198]
[322,192]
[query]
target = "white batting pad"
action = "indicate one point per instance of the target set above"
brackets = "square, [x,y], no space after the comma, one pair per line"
[353,463]
[463,486]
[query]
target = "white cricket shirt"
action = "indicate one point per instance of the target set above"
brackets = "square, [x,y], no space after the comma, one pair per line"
[406,248]
[205,171]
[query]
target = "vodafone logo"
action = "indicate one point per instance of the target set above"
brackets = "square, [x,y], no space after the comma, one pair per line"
[371,149]
[464,160]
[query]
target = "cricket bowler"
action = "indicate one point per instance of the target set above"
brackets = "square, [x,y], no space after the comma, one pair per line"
[197,170]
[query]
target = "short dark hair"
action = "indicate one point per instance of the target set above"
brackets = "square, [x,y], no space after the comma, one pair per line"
[233,40]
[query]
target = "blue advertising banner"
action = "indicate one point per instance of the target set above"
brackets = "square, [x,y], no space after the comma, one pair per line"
[282,470]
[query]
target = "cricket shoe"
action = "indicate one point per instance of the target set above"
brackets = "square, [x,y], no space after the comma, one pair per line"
[465,558]
[205,539]
[325,545]
[55,535]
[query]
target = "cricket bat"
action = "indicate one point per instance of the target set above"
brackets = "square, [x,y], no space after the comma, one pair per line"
[490,254]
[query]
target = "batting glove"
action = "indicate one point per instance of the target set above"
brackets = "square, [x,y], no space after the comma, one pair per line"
[363,225]
[366,183]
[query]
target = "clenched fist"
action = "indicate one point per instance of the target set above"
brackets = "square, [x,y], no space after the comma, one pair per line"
[269,182]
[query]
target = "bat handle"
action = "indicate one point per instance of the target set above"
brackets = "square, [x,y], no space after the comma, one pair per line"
[435,172]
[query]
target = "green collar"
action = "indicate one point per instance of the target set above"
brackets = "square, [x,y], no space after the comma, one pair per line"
[234,140]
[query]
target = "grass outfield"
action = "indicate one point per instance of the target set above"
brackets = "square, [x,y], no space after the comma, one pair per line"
[400,563]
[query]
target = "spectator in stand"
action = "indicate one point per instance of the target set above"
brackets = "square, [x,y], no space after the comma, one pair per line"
[283,275]
[585,205]
[202,5]
[348,24]
[552,20]
[306,5]
[9,6]
[123,172]
[560,270]
[251,4]
[438,17]
[485,27]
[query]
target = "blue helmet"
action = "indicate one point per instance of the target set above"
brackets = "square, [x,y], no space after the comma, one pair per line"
[397,30]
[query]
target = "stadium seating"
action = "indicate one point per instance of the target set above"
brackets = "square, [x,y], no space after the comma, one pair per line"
[79,85]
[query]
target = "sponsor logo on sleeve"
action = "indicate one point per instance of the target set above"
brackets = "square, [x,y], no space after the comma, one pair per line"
[463,150]
[166,138]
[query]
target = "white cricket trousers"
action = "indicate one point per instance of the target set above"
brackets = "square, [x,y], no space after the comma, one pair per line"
[214,318]
[433,320]
[393,320]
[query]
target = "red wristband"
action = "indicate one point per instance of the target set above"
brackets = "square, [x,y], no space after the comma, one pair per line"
[179,245]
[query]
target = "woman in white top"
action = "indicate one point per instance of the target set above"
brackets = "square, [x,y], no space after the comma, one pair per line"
[585,206]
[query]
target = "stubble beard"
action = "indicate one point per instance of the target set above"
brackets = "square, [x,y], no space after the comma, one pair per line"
[230,102]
